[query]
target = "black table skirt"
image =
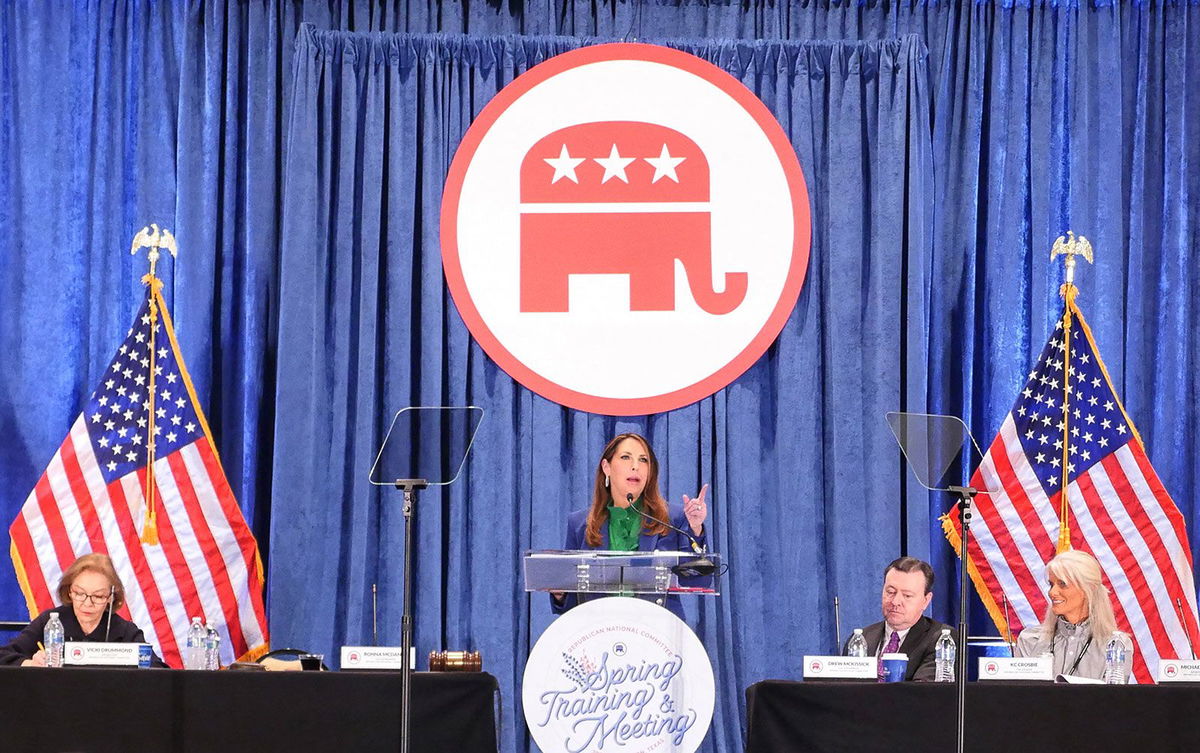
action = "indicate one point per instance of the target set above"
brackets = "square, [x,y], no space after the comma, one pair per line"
[127,710]
[867,717]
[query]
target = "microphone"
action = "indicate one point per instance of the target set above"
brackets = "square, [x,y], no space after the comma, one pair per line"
[701,566]
[837,623]
[1187,634]
[374,618]
[112,591]
[1012,645]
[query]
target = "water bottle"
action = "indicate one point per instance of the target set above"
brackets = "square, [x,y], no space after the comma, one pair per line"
[212,648]
[857,645]
[1114,659]
[193,657]
[53,639]
[944,654]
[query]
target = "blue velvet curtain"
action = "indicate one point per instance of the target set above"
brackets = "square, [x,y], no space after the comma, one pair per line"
[945,146]
[366,327]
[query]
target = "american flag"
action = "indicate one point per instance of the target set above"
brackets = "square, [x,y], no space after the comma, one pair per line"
[1118,509]
[91,499]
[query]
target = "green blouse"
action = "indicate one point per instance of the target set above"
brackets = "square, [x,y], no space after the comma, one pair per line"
[624,527]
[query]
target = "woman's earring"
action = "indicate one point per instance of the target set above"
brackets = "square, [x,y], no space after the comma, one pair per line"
[606,482]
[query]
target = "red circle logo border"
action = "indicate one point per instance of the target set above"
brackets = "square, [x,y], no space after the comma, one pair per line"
[802,230]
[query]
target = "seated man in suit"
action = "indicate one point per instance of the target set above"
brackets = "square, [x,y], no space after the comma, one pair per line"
[907,591]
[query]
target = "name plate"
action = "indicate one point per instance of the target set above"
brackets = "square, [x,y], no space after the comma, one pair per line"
[1179,670]
[377,657]
[1010,668]
[840,668]
[83,654]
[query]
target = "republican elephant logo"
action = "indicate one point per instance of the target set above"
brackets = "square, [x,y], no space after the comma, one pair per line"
[619,197]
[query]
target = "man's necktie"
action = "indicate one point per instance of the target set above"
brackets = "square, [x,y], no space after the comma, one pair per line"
[893,645]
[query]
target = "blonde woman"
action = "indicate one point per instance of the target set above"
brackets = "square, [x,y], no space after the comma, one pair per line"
[1079,621]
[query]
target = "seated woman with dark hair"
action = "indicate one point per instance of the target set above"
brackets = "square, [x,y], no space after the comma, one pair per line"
[84,591]
[627,482]
[1079,621]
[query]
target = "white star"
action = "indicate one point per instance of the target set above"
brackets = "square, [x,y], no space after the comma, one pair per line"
[145,319]
[171,377]
[1121,428]
[122,432]
[175,420]
[128,373]
[165,394]
[1086,455]
[161,412]
[1052,481]
[1021,411]
[140,379]
[171,437]
[1095,383]
[112,466]
[564,165]
[1041,458]
[95,418]
[102,441]
[1070,467]
[142,422]
[191,427]
[135,398]
[1043,439]
[1108,405]
[137,438]
[121,390]
[162,352]
[127,414]
[139,337]
[1029,434]
[109,384]
[179,402]
[664,165]
[1104,441]
[614,165]
[1093,400]
[108,425]
[1087,436]
[1083,357]
[1055,462]
[1028,393]
[132,455]
[103,401]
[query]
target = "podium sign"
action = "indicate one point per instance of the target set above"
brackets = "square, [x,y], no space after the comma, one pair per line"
[618,674]
[840,668]
[82,653]
[1179,670]
[1007,668]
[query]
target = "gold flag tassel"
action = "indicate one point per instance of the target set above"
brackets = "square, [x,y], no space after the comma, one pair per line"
[1068,246]
[153,239]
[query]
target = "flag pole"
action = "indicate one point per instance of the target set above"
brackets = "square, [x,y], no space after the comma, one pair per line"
[153,239]
[1070,247]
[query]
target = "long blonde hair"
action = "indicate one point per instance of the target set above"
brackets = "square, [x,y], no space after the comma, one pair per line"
[1081,569]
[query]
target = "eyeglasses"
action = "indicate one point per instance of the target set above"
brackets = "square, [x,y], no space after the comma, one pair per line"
[80,597]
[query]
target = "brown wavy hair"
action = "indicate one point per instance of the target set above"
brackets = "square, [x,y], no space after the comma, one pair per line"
[97,563]
[652,499]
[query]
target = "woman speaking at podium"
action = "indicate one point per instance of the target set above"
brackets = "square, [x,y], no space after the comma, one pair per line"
[628,513]
[89,591]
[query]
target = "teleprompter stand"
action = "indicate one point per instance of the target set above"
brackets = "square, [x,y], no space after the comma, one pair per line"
[933,447]
[423,443]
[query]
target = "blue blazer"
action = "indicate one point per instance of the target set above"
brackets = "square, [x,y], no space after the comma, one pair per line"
[671,541]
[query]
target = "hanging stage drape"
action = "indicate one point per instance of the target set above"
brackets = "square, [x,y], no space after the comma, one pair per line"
[945,146]
[368,328]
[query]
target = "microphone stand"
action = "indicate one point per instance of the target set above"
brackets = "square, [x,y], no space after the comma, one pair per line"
[965,495]
[112,590]
[1183,621]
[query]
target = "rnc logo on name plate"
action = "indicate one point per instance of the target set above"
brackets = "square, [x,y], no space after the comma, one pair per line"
[625,229]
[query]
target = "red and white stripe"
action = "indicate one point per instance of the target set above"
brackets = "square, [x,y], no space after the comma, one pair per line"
[206,563]
[1119,512]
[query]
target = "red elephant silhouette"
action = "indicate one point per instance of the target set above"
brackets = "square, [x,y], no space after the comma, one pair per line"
[619,197]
